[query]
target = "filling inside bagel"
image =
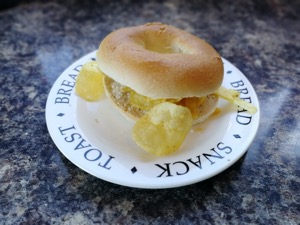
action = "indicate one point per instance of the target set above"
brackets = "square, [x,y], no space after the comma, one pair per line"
[136,105]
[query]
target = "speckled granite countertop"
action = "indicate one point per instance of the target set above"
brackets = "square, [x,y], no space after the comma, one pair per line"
[38,185]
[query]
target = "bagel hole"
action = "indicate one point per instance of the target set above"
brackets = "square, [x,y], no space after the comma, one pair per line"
[162,47]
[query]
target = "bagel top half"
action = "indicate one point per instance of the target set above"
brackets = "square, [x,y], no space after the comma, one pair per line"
[160,61]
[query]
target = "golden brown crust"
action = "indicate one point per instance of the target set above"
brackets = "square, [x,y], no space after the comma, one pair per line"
[161,61]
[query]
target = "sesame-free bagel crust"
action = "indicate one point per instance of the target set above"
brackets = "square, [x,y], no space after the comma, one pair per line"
[161,61]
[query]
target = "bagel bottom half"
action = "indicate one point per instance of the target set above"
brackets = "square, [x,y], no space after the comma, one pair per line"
[121,97]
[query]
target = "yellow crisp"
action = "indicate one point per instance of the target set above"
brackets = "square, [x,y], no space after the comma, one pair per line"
[89,82]
[143,102]
[163,129]
[233,97]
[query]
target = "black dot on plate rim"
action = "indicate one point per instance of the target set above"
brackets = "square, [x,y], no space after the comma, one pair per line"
[133,169]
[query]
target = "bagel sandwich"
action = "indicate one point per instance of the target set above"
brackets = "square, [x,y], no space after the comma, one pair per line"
[154,63]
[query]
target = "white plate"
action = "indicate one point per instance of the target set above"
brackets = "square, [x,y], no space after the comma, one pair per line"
[96,138]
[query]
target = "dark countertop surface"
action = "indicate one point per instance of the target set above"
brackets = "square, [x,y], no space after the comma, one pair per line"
[38,185]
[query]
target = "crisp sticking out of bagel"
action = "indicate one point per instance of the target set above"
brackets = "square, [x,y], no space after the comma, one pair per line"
[133,106]
[153,63]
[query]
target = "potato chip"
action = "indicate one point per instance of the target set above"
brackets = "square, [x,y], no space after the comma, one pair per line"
[143,102]
[89,82]
[233,97]
[163,129]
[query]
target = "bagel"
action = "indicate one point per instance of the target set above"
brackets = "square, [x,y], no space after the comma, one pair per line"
[156,62]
